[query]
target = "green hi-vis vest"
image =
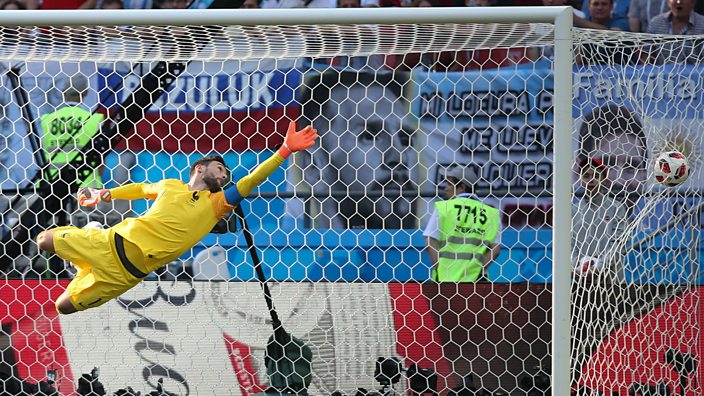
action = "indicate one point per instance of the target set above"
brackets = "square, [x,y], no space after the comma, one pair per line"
[467,230]
[66,131]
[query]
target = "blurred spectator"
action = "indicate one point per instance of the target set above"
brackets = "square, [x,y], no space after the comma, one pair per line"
[250,4]
[88,4]
[137,4]
[448,3]
[579,20]
[298,4]
[173,4]
[108,32]
[415,60]
[60,4]
[13,36]
[111,5]
[124,4]
[620,9]
[480,3]
[640,12]
[602,16]
[360,62]
[578,16]
[576,12]
[12,5]
[607,52]
[462,60]
[486,58]
[680,20]
[601,12]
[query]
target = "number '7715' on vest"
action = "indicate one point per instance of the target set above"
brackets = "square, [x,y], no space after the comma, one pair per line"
[467,230]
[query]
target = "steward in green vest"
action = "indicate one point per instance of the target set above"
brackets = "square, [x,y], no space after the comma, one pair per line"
[65,133]
[463,234]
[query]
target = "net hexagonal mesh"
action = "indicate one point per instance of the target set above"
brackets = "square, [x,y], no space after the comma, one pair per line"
[384,284]
[636,242]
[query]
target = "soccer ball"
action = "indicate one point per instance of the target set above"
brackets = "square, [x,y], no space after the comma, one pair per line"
[671,168]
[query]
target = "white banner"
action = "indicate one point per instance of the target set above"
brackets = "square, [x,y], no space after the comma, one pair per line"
[174,332]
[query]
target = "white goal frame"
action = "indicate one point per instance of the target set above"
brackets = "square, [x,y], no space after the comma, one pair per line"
[560,17]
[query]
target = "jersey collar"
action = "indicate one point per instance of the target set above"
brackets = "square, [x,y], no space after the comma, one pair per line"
[466,195]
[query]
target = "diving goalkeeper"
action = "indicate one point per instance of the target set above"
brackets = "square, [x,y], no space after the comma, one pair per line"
[111,261]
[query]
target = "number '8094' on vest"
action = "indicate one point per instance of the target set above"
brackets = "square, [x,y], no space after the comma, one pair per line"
[65,133]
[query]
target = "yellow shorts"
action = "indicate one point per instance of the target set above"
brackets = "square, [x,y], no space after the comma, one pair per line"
[101,276]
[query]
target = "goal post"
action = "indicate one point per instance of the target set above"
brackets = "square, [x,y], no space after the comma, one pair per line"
[285,38]
[562,204]
[286,17]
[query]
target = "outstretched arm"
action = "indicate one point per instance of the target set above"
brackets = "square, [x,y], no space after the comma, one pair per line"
[134,191]
[294,141]
[91,196]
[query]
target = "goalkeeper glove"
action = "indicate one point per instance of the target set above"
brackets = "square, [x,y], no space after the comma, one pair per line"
[91,196]
[297,141]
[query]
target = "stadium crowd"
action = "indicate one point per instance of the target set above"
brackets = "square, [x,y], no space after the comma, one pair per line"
[645,16]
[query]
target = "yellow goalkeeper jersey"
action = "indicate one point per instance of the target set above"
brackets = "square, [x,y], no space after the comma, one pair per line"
[179,217]
[177,220]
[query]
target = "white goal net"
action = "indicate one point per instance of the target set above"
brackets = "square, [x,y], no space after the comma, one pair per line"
[637,244]
[340,231]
